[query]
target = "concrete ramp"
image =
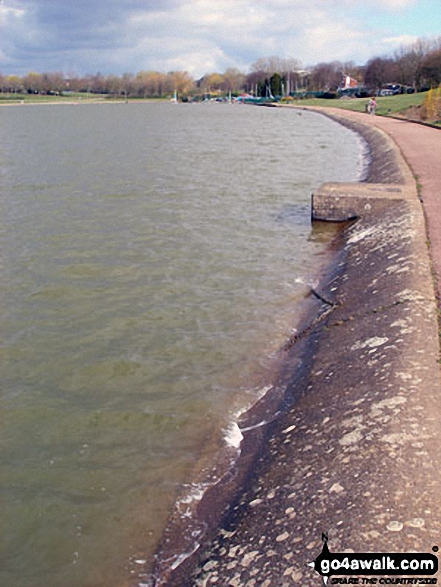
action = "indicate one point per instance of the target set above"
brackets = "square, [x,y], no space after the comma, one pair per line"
[356,456]
[340,202]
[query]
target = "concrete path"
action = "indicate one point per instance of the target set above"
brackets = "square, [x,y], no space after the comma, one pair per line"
[354,455]
[421,147]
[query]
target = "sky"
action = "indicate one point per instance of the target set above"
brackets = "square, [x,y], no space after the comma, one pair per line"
[203,36]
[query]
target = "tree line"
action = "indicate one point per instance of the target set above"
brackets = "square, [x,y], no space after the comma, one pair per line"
[416,67]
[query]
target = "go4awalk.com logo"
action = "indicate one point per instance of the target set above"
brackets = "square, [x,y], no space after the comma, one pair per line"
[422,567]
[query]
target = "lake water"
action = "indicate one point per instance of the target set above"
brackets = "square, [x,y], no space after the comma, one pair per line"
[153,257]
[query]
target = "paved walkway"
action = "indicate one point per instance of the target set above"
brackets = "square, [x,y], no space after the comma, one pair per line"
[421,147]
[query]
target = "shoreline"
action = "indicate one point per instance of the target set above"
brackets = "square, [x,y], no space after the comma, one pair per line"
[272,538]
[84,101]
[184,536]
[179,547]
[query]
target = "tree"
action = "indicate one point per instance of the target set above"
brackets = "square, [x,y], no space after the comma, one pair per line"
[431,109]
[234,80]
[262,70]
[179,81]
[127,84]
[212,82]
[380,71]
[73,82]
[54,82]
[150,83]
[326,77]
[267,65]
[274,64]
[14,84]
[409,62]
[114,85]
[275,84]
[33,83]
[431,68]
[98,84]
[254,82]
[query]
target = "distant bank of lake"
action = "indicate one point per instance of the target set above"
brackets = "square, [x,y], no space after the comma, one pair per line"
[153,256]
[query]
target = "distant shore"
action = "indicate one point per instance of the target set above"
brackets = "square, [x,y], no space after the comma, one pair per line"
[80,101]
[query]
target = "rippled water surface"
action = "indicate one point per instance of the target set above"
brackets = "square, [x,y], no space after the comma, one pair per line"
[152,256]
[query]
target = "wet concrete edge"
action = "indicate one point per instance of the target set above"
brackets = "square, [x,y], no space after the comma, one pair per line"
[355,454]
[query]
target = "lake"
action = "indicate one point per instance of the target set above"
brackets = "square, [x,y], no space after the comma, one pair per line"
[153,260]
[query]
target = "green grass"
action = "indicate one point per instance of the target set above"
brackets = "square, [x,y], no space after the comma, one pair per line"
[39,99]
[387,105]
[74,97]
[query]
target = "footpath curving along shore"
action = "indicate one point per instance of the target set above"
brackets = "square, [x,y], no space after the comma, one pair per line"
[420,146]
[356,455]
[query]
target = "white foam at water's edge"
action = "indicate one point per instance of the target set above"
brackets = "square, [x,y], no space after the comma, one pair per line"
[187,505]
[233,433]
[263,391]
[254,426]
[177,561]
[184,556]
[195,493]
[233,436]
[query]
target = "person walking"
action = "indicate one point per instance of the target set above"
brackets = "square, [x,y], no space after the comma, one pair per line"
[372,106]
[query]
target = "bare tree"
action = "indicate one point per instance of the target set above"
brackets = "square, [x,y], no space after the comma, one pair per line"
[33,82]
[275,64]
[234,80]
[73,82]
[380,71]
[114,85]
[14,84]
[54,82]
[150,83]
[326,77]
[127,85]
[431,68]
[409,60]
[212,82]
[179,81]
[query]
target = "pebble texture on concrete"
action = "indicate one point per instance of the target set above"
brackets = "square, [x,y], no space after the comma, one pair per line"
[357,455]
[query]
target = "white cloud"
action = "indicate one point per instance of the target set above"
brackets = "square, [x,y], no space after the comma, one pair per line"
[213,36]
[397,4]
[379,5]
[8,12]
[399,41]
[333,41]
[197,35]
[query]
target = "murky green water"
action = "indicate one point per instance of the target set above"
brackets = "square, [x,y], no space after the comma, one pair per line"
[151,260]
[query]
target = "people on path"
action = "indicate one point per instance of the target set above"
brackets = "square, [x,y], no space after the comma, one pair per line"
[372,106]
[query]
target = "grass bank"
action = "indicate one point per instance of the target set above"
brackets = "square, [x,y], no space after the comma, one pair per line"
[404,105]
[78,97]
[42,99]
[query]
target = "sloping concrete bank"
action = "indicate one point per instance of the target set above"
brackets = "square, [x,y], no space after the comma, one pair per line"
[420,145]
[356,457]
